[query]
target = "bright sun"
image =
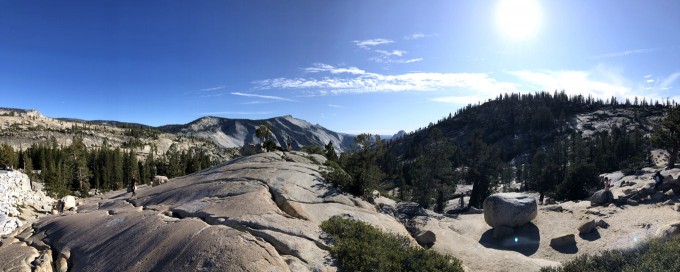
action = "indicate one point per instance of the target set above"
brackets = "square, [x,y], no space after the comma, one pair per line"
[518,19]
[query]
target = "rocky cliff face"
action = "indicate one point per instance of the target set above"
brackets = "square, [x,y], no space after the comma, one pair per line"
[257,213]
[19,202]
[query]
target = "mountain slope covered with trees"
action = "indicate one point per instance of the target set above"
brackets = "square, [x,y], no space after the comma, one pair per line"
[553,144]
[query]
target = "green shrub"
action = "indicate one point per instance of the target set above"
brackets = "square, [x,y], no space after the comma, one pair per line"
[336,175]
[360,247]
[655,255]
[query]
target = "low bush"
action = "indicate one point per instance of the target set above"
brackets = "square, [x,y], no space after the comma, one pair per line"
[358,246]
[656,255]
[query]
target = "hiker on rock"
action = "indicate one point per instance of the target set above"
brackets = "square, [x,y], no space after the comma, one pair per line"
[658,179]
[133,183]
[607,184]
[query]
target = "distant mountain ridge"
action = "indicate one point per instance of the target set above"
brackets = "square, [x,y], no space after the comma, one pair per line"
[23,127]
[231,133]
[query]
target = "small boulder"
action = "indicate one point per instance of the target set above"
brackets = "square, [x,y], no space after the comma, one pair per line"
[553,208]
[158,180]
[602,224]
[563,240]
[593,212]
[426,238]
[548,201]
[502,231]
[631,202]
[670,230]
[656,197]
[473,210]
[67,203]
[586,227]
[602,197]
[509,209]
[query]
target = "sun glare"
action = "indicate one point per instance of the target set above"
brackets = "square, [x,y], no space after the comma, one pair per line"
[518,19]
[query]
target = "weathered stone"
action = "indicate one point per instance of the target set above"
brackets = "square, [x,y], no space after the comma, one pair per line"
[158,180]
[473,210]
[563,240]
[656,197]
[553,208]
[631,202]
[586,227]
[67,203]
[509,209]
[669,230]
[548,201]
[593,212]
[602,224]
[602,197]
[503,231]
[257,213]
[426,238]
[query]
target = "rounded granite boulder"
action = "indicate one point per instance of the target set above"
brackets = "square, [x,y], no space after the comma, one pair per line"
[509,209]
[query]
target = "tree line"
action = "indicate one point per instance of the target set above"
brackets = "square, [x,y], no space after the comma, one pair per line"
[76,168]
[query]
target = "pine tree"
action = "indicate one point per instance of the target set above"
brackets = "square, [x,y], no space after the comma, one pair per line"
[667,136]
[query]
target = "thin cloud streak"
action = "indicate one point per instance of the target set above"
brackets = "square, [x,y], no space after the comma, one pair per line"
[626,53]
[366,44]
[321,67]
[336,106]
[416,36]
[205,90]
[264,96]
[398,53]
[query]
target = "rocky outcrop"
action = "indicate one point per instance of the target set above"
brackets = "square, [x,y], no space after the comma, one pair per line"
[563,240]
[257,213]
[586,227]
[602,197]
[158,180]
[509,209]
[18,200]
[669,230]
[426,238]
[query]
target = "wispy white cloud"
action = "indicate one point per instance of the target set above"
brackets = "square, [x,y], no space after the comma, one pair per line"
[667,83]
[264,96]
[367,44]
[399,53]
[626,53]
[235,113]
[256,102]
[321,67]
[210,95]
[375,82]
[336,106]
[416,36]
[205,90]
[387,59]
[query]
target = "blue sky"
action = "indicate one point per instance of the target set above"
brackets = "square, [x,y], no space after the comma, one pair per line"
[351,66]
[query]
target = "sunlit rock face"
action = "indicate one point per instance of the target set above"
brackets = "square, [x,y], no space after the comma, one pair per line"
[257,213]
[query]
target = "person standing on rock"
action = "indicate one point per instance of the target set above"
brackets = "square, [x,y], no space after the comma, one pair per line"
[133,182]
[658,179]
[607,184]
